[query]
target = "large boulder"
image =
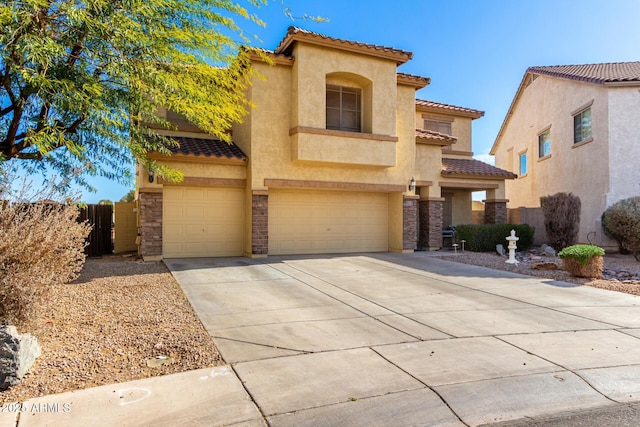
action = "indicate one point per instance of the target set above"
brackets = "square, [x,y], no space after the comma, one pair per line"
[17,354]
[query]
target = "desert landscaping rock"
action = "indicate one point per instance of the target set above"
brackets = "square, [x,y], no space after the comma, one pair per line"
[17,354]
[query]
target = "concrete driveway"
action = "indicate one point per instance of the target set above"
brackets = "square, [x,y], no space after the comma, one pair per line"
[406,339]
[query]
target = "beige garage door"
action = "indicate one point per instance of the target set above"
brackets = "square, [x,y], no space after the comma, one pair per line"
[307,222]
[202,222]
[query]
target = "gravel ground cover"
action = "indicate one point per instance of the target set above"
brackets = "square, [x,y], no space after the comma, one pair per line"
[124,319]
[121,320]
[621,272]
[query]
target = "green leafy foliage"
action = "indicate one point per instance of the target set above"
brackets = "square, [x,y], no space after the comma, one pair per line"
[561,219]
[485,237]
[77,76]
[129,197]
[621,221]
[581,253]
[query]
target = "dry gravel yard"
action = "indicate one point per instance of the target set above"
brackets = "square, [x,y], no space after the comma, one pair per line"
[621,272]
[106,325]
[122,313]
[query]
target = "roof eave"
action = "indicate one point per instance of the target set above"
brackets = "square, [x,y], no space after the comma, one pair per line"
[400,57]
[512,106]
[468,114]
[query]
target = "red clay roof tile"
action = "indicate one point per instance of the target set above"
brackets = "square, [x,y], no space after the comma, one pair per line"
[473,167]
[612,72]
[207,148]
[433,135]
[448,108]
[297,33]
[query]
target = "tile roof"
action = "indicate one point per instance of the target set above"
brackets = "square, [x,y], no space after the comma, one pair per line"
[612,72]
[473,168]
[207,148]
[297,33]
[448,108]
[414,80]
[433,135]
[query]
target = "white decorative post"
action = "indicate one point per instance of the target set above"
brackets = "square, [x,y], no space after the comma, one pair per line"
[512,248]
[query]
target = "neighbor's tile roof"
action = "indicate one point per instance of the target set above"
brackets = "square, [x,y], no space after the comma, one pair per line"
[613,72]
[297,33]
[206,148]
[433,135]
[473,167]
[448,108]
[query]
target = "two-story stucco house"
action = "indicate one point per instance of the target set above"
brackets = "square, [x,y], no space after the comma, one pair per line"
[575,129]
[337,156]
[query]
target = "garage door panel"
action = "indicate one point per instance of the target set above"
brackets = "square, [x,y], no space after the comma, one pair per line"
[202,222]
[327,221]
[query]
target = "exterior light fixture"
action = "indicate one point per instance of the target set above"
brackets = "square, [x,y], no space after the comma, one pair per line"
[412,184]
[151,176]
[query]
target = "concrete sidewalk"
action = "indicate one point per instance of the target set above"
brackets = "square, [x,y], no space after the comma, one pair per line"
[378,339]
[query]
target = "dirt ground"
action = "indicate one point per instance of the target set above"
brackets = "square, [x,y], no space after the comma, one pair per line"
[121,320]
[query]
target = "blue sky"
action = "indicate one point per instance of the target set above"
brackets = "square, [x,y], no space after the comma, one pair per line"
[475,52]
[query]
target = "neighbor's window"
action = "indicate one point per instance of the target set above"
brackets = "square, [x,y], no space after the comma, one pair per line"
[344,105]
[523,164]
[582,126]
[440,127]
[544,143]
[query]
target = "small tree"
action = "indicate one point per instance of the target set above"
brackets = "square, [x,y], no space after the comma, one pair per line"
[621,221]
[561,219]
[129,197]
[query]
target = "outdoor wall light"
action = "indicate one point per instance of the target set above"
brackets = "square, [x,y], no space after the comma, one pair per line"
[412,184]
[151,176]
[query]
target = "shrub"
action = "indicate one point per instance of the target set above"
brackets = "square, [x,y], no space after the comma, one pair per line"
[621,221]
[581,253]
[561,219]
[41,244]
[583,260]
[485,237]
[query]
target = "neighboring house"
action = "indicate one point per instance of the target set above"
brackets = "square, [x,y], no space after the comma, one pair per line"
[337,156]
[575,129]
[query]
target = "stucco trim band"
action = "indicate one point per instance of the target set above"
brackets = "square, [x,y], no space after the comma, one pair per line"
[496,201]
[333,185]
[457,152]
[424,183]
[342,134]
[207,182]
[150,190]
[197,159]
[479,185]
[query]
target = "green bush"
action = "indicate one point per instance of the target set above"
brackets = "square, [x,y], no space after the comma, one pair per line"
[581,253]
[485,237]
[621,221]
[561,219]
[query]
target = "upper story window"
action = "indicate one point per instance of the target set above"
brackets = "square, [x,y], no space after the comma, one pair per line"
[344,108]
[437,126]
[523,163]
[544,144]
[582,126]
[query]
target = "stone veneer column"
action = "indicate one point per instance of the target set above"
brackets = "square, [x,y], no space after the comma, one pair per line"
[150,223]
[495,211]
[430,214]
[259,223]
[409,222]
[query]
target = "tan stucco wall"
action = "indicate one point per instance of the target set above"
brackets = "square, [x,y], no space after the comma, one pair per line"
[267,130]
[461,208]
[580,169]
[461,128]
[624,143]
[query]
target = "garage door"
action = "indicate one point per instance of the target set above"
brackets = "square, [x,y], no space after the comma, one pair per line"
[307,222]
[202,222]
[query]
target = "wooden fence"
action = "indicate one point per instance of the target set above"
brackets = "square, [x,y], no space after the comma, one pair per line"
[100,238]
